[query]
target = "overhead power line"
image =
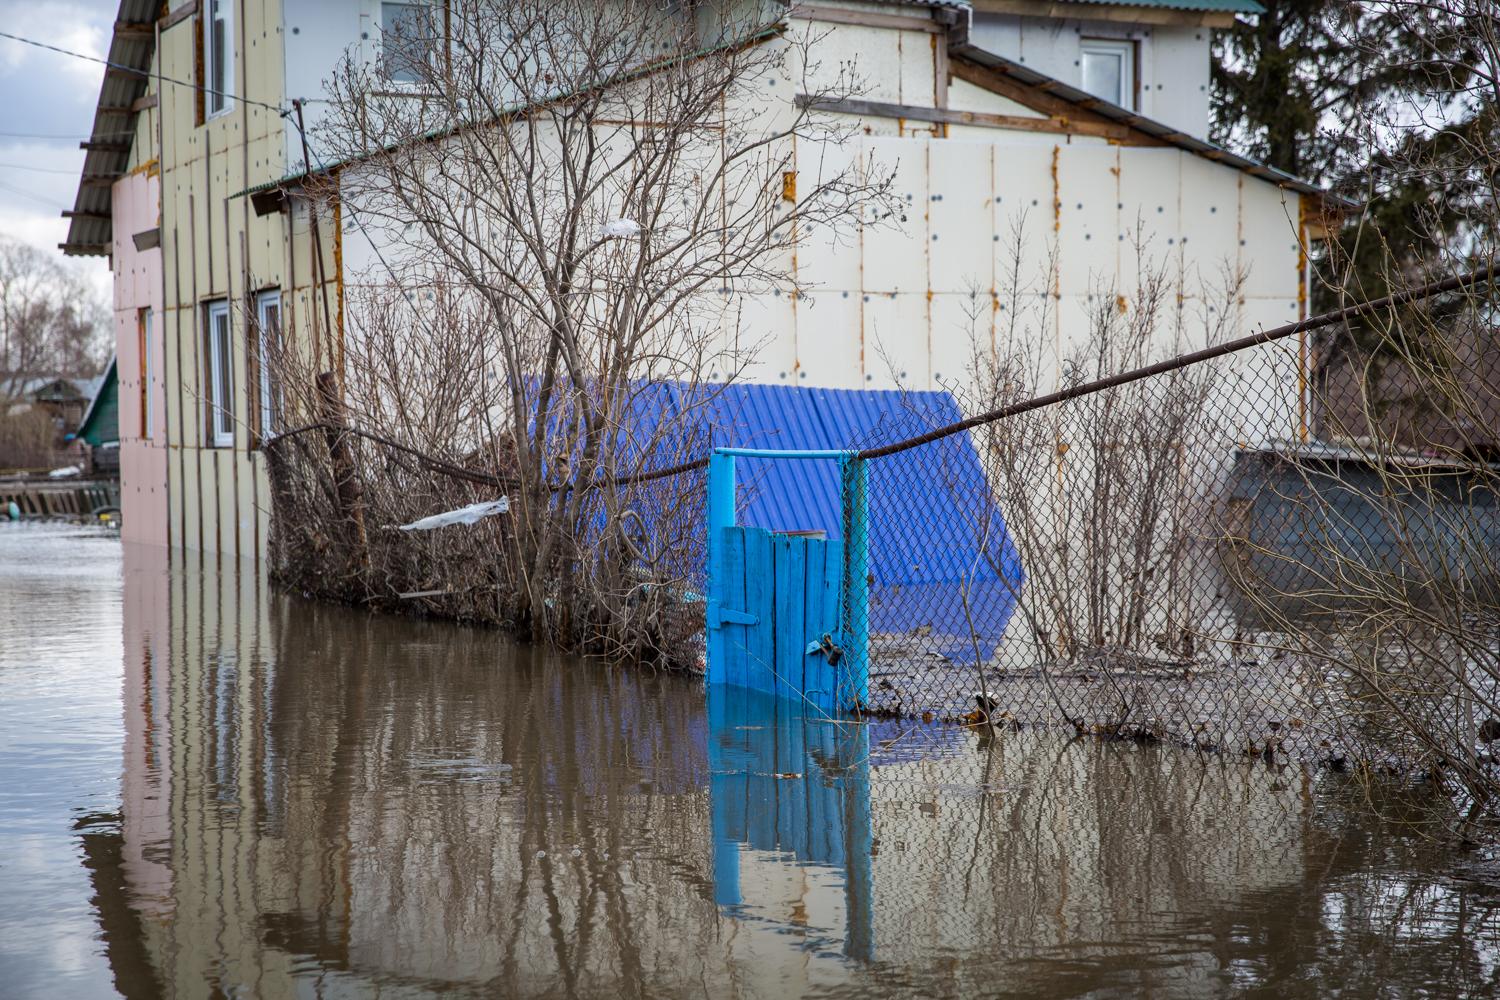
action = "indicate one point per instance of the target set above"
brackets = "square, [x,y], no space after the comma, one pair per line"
[60,136]
[39,170]
[144,74]
[13,189]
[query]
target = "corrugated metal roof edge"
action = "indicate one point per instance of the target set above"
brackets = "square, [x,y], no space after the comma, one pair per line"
[755,38]
[90,228]
[1175,137]
[1231,6]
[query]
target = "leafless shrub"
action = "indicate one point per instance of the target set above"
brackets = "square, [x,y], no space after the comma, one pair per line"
[27,439]
[1374,555]
[560,211]
[1103,495]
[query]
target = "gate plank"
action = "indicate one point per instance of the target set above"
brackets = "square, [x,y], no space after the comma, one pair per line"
[732,595]
[791,560]
[760,645]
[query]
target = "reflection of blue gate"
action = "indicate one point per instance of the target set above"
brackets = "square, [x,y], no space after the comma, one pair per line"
[796,783]
[787,611]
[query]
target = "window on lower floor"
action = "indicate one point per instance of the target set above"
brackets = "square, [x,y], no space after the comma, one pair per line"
[267,343]
[143,329]
[220,408]
[1109,70]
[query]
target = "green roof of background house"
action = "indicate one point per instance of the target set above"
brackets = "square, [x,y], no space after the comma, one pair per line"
[101,424]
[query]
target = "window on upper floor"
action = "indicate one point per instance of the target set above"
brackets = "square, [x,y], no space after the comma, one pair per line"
[409,37]
[1109,70]
[218,57]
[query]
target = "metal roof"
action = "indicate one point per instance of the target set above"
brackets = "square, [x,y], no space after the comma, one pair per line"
[101,421]
[296,177]
[918,563]
[1053,87]
[1230,6]
[125,79]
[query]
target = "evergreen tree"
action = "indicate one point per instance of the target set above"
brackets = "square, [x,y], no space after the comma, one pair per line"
[1391,104]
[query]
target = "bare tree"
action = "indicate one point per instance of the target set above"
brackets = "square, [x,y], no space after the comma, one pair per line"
[1370,554]
[1104,493]
[51,321]
[570,202]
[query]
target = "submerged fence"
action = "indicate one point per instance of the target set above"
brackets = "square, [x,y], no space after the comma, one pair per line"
[1218,549]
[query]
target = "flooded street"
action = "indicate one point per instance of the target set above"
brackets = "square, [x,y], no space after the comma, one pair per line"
[211,788]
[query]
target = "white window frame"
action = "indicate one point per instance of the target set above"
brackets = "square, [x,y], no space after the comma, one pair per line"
[220,409]
[148,394]
[1126,51]
[217,100]
[264,332]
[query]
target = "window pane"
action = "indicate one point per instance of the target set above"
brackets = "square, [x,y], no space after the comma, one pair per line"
[223,379]
[216,61]
[1103,74]
[270,331]
[408,34]
[146,373]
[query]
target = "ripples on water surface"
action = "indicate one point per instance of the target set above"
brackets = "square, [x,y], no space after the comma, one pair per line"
[210,789]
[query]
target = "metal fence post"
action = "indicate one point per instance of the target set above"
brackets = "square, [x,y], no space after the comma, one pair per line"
[720,517]
[856,584]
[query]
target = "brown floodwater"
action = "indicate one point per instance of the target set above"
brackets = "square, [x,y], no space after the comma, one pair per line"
[209,788]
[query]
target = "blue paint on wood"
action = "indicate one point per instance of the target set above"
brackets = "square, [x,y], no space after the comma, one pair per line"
[760,640]
[720,520]
[790,560]
[772,597]
[732,633]
[794,783]
[856,587]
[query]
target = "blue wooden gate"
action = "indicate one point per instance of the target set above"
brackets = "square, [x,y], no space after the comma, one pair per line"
[786,610]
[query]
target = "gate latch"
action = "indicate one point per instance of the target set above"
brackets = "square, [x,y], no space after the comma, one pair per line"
[717,617]
[829,649]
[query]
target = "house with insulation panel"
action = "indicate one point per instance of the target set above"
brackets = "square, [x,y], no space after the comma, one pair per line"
[1073,131]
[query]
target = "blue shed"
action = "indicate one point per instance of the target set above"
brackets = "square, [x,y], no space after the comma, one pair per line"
[935,526]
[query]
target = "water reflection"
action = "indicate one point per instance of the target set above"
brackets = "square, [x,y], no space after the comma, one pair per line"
[317,802]
[796,785]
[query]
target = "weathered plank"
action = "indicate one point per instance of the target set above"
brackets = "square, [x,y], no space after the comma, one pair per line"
[760,645]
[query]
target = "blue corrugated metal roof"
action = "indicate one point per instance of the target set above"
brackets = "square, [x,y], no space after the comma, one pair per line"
[934,523]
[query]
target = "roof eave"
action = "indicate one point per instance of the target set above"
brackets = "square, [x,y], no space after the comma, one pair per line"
[1333,204]
[121,99]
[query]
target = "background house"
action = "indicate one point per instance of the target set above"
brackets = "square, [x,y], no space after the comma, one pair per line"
[1038,118]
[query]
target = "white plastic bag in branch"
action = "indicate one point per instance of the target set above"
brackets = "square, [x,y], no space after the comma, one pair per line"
[464,515]
[620,228]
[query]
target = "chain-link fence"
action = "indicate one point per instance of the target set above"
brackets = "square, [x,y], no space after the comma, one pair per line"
[1231,551]
[1262,547]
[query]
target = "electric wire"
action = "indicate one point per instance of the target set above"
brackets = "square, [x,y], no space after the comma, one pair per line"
[144,74]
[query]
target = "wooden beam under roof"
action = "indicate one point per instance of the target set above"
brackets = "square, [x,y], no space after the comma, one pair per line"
[949,116]
[135,29]
[1038,99]
[917,20]
[179,15]
[99,146]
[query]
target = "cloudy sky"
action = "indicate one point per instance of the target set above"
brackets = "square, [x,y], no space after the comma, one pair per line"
[46,108]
